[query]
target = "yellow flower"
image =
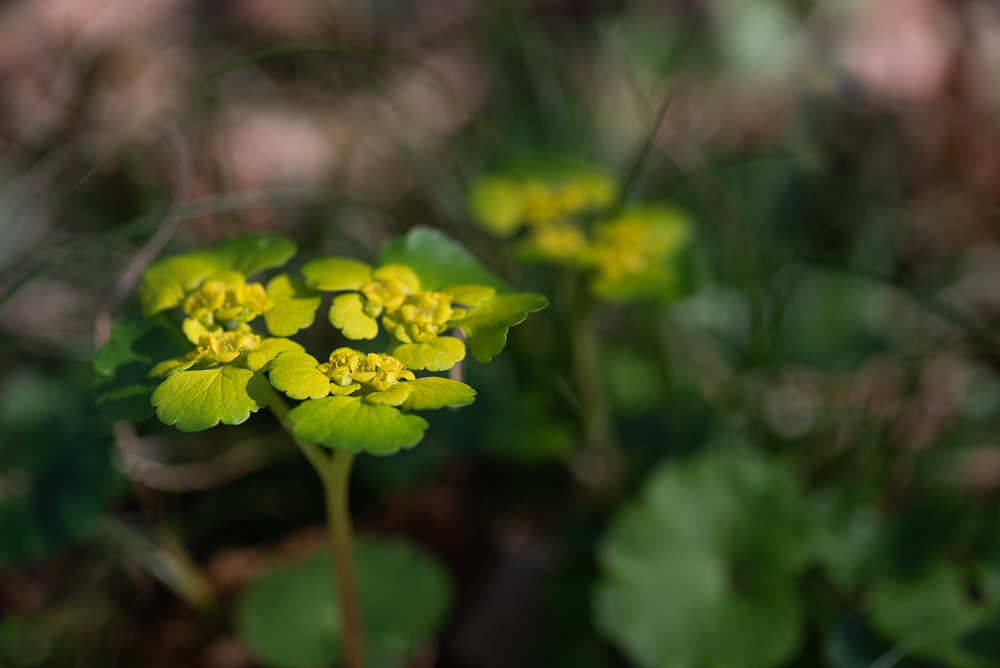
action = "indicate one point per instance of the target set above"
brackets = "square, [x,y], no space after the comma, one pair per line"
[387,293]
[217,301]
[421,317]
[350,370]
[213,348]
[559,243]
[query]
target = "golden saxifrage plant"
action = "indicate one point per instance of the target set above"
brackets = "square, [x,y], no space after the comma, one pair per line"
[199,354]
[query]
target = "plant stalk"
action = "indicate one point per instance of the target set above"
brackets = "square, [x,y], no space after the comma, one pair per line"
[338,525]
[334,472]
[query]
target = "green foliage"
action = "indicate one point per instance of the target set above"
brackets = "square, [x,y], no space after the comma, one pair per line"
[122,389]
[439,354]
[166,282]
[437,260]
[55,462]
[486,324]
[197,400]
[294,308]
[288,618]
[711,550]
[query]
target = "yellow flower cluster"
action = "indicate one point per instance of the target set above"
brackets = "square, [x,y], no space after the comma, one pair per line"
[224,348]
[421,317]
[350,370]
[220,302]
[503,204]
[384,294]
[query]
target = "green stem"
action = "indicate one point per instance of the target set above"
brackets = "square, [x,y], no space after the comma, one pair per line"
[335,472]
[603,468]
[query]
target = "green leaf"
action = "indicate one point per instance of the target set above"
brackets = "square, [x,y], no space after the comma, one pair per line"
[710,551]
[469,294]
[295,305]
[122,388]
[485,326]
[437,260]
[348,423]
[297,375]
[289,618]
[424,394]
[439,354]
[197,400]
[166,282]
[252,253]
[268,350]
[930,612]
[347,313]
[332,274]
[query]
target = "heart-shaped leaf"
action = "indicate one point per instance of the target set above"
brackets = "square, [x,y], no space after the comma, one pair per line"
[348,423]
[122,388]
[437,260]
[439,354]
[332,274]
[295,305]
[347,313]
[711,550]
[289,618]
[268,350]
[485,326]
[197,400]
[297,375]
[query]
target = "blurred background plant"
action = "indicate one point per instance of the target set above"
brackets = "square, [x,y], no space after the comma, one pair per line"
[789,458]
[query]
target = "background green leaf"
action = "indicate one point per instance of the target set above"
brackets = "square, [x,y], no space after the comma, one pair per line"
[351,424]
[251,253]
[710,551]
[437,259]
[289,618]
[122,389]
[197,400]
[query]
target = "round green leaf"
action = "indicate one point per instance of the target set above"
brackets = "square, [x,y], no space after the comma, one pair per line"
[349,423]
[297,375]
[122,388]
[250,253]
[930,612]
[485,325]
[268,350]
[439,354]
[332,274]
[197,400]
[347,313]
[424,394]
[437,260]
[289,618]
[710,551]
[295,305]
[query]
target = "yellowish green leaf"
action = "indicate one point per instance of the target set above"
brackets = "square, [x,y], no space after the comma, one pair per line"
[295,305]
[197,400]
[332,274]
[485,326]
[348,315]
[349,423]
[424,394]
[297,375]
[268,350]
[439,354]
[470,294]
